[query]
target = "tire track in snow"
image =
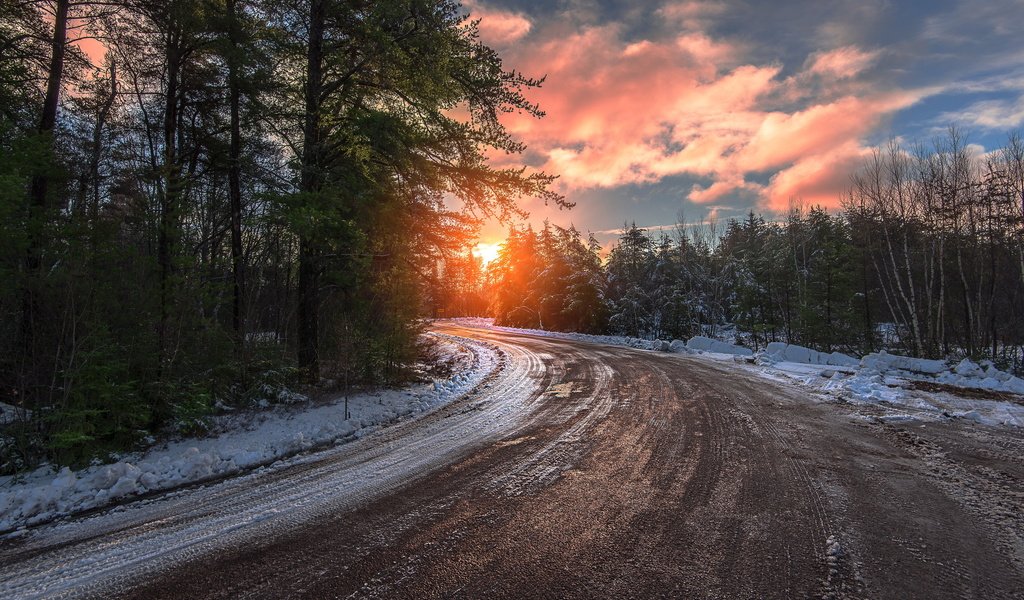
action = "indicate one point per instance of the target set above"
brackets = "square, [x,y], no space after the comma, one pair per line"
[626,474]
[108,550]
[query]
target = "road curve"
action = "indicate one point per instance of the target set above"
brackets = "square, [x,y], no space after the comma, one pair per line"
[580,471]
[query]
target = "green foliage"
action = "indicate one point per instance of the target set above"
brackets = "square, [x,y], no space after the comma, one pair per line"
[126,306]
[101,410]
[549,280]
[795,282]
[190,412]
[630,267]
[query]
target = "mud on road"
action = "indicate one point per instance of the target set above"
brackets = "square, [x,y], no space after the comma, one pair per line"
[627,474]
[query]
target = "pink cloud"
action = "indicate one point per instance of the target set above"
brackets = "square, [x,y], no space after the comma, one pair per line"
[636,111]
[841,63]
[498,28]
[631,113]
[703,49]
[816,179]
[784,138]
[723,186]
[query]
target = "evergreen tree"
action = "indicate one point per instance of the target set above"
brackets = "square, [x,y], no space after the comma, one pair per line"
[630,270]
[235,179]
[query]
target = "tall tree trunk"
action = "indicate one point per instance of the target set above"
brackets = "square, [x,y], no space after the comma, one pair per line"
[869,333]
[167,234]
[309,293]
[54,80]
[234,174]
[97,150]
[38,208]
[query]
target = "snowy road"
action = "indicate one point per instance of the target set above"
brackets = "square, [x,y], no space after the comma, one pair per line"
[578,470]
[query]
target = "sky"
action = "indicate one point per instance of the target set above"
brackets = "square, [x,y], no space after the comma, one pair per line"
[657,108]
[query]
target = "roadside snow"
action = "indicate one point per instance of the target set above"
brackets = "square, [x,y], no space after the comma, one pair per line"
[883,380]
[611,340]
[877,380]
[781,352]
[247,441]
[883,361]
[874,376]
[987,377]
[698,344]
[706,344]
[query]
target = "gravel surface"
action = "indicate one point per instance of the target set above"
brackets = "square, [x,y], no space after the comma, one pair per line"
[580,471]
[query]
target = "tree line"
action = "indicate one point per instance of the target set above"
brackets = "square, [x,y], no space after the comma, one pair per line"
[236,196]
[925,258]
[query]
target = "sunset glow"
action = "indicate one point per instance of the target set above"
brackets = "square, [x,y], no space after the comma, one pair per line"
[524,299]
[727,106]
[487,251]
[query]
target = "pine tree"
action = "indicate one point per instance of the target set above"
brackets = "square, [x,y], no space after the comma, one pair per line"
[630,268]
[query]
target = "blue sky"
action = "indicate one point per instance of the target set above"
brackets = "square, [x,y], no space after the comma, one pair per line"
[723,106]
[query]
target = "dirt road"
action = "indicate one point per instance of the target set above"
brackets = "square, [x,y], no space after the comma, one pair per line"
[582,471]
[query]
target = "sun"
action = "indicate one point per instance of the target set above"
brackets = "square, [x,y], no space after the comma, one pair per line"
[487,251]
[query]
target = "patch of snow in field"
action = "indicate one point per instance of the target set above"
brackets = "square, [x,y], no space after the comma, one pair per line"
[247,441]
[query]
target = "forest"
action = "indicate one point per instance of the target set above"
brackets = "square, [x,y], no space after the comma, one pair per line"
[926,258]
[225,198]
[207,203]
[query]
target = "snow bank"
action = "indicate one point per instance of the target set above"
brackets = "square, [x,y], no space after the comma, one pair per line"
[706,344]
[874,388]
[877,379]
[782,352]
[864,387]
[966,373]
[883,361]
[10,414]
[970,374]
[611,340]
[678,346]
[248,441]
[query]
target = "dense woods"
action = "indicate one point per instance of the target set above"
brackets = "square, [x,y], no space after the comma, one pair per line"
[926,258]
[226,197]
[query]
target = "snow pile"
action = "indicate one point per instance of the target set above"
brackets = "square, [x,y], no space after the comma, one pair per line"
[883,361]
[10,414]
[782,352]
[678,346]
[864,387]
[966,373]
[611,340]
[247,441]
[877,379]
[984,376]
[700,343]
